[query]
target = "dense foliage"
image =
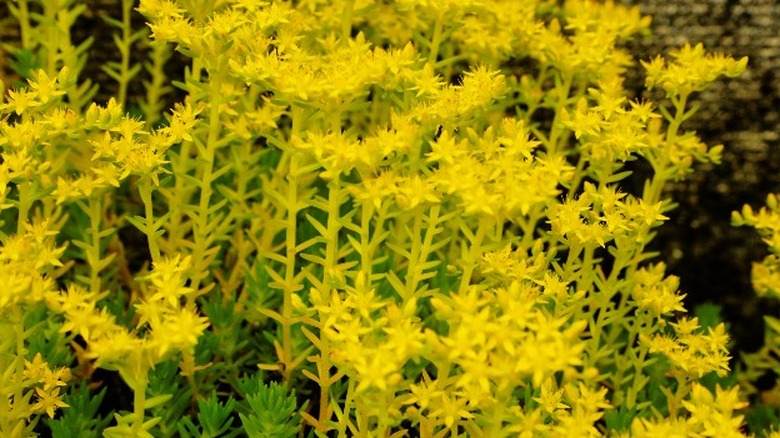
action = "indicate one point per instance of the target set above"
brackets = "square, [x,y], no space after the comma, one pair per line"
[365,218]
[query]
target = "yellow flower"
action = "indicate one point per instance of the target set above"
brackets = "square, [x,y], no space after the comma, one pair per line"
[424,393]
[46,88]
[657,293]
[19,101]
[665,427]
[34,371]
[528,423]
[104,118]
[414,190]
[692,352]
[168,279]
[479,88]
[375,190]
[48,401]
[549,399]
[66,190]
[178,330]
[693,70]
[379,370]
[427,82]
[714,416]
[182,122]
[452,408]
[156,9]
[446,150]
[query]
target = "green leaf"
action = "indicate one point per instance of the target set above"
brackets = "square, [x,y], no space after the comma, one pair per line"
[157,401]
[396,282]
[313,258]
[708,314]
[273,413]
[317,225]
[24,63]
[81,419]
[112,73]
[215,417]
[112,21]
[137,221]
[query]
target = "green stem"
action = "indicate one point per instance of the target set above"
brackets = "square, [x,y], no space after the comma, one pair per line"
[348,402]
[21,353]
[415,252]
[421,248]
[579,175]
[679,117]
[24,205]
[527,224]
[436,39]
[290,247]
[626,362]
[333,227]
[585,280]
[52,39]
[156,87]
[94,211]
[346,19]
[331,262]
[201,233]
[124,50]
[652,193]
[366,249]
[197,66]
[475,251]
[575,249]
[181,194]
[145,191]
[564,89]
[335,120]
[25,29]
[603,299]
[141,381]
[498,412]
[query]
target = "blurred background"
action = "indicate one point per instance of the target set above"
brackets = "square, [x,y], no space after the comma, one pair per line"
[712,258]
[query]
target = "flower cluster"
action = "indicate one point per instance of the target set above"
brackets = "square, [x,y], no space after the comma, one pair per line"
[170,325]
[27,260]
[370,338]
[600,215]
[692,351]
[496,173]
[708,415]
[692,70]
[502,338]
[766,274]
[47,384]
[657,293]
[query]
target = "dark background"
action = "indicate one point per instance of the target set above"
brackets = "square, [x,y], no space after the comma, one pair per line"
[712,258]
[698,244]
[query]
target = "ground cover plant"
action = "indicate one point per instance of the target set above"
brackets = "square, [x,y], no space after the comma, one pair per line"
[356,218]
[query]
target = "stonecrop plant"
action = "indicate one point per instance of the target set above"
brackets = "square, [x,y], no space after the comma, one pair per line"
[354,218]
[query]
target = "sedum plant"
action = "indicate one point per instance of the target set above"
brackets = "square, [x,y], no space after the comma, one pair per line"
[765,282]
[356,218]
